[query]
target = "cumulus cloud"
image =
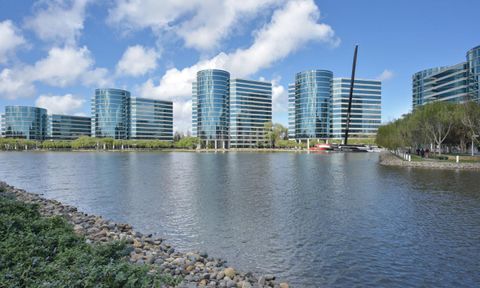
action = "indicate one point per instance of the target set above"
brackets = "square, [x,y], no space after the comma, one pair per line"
[191,20]
[60,68]
[204,32]
[60,21]
[137,61]
[66,104]
[291,27]
[279,96]
[14,84]
[10,39]
[386,75]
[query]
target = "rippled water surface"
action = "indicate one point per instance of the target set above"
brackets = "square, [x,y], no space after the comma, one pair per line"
[334,220]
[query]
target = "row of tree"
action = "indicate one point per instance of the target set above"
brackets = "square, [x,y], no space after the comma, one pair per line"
[446,126]
[96,143]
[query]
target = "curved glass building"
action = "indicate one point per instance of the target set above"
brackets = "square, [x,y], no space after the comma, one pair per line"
[110,113]
[312,94]
[457,83]
[211,113]
[473,61]
[25,122]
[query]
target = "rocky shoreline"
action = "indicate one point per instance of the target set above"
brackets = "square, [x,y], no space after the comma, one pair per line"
[196,268]
[389,159]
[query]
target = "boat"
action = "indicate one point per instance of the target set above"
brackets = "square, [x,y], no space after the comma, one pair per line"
[321,147]
[353,148]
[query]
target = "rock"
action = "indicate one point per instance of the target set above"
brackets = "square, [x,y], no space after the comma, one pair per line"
[283,285]
[229,272]
[179,261]
[137,244]
[203,282]
[220,275]
[244,284]
[231,284]
[206,276]
[269,277]
[261,281]
[78,229]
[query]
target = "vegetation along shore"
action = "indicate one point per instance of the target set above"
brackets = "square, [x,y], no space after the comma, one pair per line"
[47,243]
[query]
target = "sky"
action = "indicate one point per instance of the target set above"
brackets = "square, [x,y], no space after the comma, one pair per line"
[54,53]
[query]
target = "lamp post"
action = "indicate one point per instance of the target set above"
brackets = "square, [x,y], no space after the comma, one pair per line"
[473,139]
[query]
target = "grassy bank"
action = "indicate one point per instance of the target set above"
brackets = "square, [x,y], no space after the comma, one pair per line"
[37,251]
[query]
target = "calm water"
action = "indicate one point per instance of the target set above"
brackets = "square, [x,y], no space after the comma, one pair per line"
[335,220]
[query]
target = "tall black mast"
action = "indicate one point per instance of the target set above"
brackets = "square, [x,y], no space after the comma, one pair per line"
[352,81]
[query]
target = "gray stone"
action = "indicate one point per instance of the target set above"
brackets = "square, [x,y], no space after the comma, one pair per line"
[261,281]
[220,275]
[231,284]
[269,277]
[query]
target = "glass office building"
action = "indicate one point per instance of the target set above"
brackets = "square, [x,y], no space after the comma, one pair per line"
[250,108]
[25,122]
[230,112]
[457,83]
[110,113]
[151,119]
[210,113]
[313,91]
[291,111]
[366,112]
[67,127]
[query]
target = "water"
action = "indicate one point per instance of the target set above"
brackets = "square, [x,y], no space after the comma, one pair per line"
[334,220]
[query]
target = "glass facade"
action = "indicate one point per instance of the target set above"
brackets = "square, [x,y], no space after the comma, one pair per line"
[25,122]
[291,111]
[110,113]
[473,62]
[211,109]
[2,125]
[151,119]
[66,127]
[313,91]
[457,83]
[250,108]
[194,109]
[366,113]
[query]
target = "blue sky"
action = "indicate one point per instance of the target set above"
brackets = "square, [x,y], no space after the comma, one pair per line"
[54,53]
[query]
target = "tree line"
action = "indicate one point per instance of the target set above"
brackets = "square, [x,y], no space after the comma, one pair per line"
[86,142]
[447,127]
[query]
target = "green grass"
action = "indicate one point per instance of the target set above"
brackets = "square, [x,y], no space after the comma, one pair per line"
[36,251]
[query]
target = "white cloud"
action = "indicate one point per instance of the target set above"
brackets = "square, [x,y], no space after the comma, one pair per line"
[202,24]
[66,104]
[60,21]
[279,96]
[386,75]
[137,61]
[139,14]
[204,32]
[60,68]
[10,39]
[291,27]
[13,85]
